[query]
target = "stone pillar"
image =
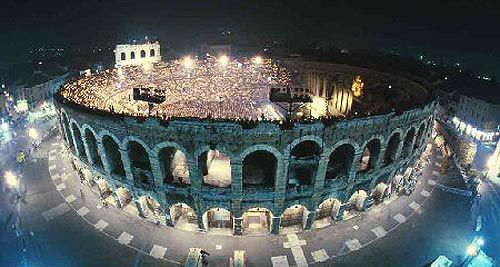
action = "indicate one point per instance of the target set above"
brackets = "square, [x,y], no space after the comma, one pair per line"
[281,184]
[311,216]
[76,150]
[275,225]
[236,178]
[399,150]
[139,206]
[319,180]
[86,149]
[340,215]
[127,166]
[104,157]
[237,225]
[156,170]
[194,174]
[412,145]
[380,159]
[355,166]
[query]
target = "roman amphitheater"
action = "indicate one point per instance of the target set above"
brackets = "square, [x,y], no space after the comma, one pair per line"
[218,155]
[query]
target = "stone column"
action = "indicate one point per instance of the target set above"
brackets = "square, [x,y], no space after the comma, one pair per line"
[319,180]
[139,206]
[355,166]
[76,150]
[237,225]
[236,178]
[380,159]
[86,149]
[156,170]
[194,174]
[275,225]
[281,184]
[104,157]
[126,165]
[311,216]
[340,215]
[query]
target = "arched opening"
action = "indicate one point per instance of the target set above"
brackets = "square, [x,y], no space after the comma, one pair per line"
[124,197]
[67,129]
[139,163]
[293,219]
[303,163]
[370,155]
[392,149]
[143,54]
[215,168]
[407,144]
[132,55]
[151,209]
[183,217]
[259,169]
[379,192]
[152,53]
[339,163]
[104,188]
[113,156]
[327,212]
[420,135]
[174,166]
[256,221]
[94,154]
[357,200]
[79,142]
[123,56]
[218,221]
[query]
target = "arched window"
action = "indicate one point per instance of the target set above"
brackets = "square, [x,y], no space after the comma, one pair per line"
[304,163]
[407,144]
[139,161]
[174,166]
[152,53]
[123,56]
[259,169]
[143,54]
[113,156]
[370,155]
[132,55]
[340,161]
[392,149]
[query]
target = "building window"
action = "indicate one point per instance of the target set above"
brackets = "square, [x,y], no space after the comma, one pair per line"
[132,55]
[123,56]
[143,54]
[152,53]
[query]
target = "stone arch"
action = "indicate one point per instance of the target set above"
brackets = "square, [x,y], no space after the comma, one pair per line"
[143,54]
[112,154]
[219,219]
[371,153]
[260,168]
[214,166]
[77,135]
[94,154]
[138,153]
[151,208]
[340,159]
[304,161]
[256,220]
[293,216]
[357,200]
[408,143]
[123,56]
[393,144]
[67,130]
[326,212]
[420,135]
[295,142]
[174,164]
[183,217]
[132,55]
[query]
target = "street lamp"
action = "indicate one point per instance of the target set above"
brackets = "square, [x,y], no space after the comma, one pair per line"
[11,179]
[33,133]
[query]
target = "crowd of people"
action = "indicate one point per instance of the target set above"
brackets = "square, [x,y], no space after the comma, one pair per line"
[238,89]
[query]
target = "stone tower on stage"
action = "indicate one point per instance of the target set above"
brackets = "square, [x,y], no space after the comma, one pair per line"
[137,54]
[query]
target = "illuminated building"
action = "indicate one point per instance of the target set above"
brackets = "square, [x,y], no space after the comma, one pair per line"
[218,155]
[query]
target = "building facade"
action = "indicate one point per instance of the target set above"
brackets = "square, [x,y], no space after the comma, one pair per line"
[137,54]
[308,172]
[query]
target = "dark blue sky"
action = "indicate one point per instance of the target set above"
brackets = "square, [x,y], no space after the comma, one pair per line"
[464,31]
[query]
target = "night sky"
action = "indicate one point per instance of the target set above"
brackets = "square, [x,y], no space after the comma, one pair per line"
[453,31]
